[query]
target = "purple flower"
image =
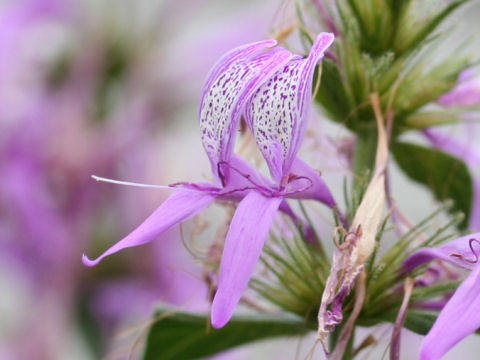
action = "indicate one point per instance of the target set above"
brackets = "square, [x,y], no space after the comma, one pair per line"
[466,93]
[461,315]
[471,157]
[273,89]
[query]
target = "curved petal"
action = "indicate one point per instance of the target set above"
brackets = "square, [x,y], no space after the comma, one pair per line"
[462,252]
[177,208]
[277,112]
[242,175]
[314,187]
[230,83]
[459,318]
[243,245]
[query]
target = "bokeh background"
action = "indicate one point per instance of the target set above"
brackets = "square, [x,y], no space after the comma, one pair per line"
[111,88]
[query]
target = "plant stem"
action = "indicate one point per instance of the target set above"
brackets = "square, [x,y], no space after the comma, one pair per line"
[349,351]
[363,166]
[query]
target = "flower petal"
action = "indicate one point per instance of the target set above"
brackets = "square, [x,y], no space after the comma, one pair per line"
[277,112]
[241,176]
[317,190]
[230,83]
[462,150]
[462,252]
[243,245]
[466,93]
[465,151]
[177,208]
[459,318]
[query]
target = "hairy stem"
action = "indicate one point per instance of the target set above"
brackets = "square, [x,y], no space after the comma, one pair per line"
[363,165]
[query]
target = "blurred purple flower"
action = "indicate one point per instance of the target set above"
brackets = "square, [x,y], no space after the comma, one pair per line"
[467,153]
[240,79]
[324,9]
[466,93]
[461,315]
[50,138]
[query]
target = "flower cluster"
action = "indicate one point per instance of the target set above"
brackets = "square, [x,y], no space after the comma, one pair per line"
[272,89]
[376,83]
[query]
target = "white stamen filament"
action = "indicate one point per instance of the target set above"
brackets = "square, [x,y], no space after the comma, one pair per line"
[152,186]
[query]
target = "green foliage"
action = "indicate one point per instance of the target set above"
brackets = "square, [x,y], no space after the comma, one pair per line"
[378,51]
[374,19]
[425,83]
[180,335]
[420,321]
[115,70]
[59,70]
[416,26]
[446,176]
[299,272]
[416,320]
[425,119]
[385,277]
[332,94]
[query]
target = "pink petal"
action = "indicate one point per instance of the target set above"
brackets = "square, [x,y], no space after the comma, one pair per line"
[278,111]
[178,207]
[462,252]
[230,83]
[466,152]
[458,319]
[457,148]
[242,175]
[466,93]
[243,245]
[317,190]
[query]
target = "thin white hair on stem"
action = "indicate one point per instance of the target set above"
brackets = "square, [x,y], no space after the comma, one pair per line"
[197,252]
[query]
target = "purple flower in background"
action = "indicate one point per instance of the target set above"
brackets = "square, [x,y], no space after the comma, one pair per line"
[466,93]
[274,86]
[471,157]
[461,315]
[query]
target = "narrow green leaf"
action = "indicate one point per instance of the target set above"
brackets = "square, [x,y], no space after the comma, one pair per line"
[432,291]
[180,335]
[416,320]
[423,28]
[445,175]
[331,94]
[419,321]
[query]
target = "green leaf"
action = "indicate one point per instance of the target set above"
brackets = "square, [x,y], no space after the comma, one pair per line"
[419,321]
[332,94]
[445,175]
[432,291]
[421,29]
[180,335]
